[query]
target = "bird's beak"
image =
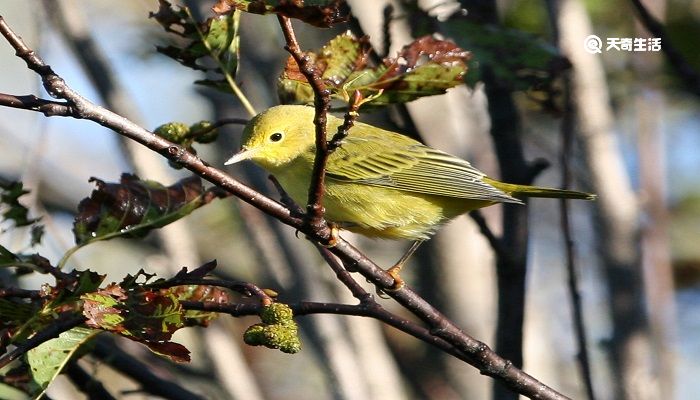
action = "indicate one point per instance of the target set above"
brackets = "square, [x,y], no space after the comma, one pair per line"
[244,154]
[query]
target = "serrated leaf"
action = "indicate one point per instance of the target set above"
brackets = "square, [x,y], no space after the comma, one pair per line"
[425,67]
[146,316]
[12,210]
[134,207]
[48,359]
[320,13]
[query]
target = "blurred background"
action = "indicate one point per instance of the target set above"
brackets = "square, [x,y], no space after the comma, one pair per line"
[636,144]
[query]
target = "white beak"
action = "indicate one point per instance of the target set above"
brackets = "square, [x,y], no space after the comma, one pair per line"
[244,154]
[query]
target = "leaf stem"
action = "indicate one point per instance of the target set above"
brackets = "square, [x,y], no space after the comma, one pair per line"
[229,79]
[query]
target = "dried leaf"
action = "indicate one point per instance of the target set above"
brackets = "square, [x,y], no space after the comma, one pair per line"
[428,66]
[134,207]
[320,13]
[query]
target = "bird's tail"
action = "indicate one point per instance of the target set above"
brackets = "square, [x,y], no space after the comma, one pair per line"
[536,191]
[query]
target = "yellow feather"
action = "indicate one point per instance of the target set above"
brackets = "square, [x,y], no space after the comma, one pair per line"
[378,183]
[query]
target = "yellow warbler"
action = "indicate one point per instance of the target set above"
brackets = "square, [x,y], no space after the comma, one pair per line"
[378,183]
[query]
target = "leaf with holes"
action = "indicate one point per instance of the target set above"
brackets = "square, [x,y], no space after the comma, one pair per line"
[146,316]
[425,67]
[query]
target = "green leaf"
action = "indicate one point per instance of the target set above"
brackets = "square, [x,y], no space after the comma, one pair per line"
[320,13]
[134,207]
[48,359]
[425,67]
[11,209]
[217,39]
[146,316]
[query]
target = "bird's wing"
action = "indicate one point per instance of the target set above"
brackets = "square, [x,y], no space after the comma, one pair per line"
[404,164]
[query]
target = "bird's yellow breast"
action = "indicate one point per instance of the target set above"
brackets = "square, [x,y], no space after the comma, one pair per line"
[375,211]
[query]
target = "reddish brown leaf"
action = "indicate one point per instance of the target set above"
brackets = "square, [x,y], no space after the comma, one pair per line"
[133,207]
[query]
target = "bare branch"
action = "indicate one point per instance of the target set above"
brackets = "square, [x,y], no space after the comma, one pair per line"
[322,101]
[685,71]
[475,352]
[64,323]
[30,102]
[115,357]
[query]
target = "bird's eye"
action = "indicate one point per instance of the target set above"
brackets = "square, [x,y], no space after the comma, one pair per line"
[276,137]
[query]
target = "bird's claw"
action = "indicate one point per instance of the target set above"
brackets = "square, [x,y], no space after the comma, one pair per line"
[335,236]
[398,281]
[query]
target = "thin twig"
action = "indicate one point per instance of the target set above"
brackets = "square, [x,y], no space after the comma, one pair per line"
[571,270]
[478,353]
[491,237]
[348,122]
[322,101]
[685,71]
[19,293]
[49,108]
[567,135]
[61,325]
[112,355]
[244,288]
[219,124]
[364,309]
[86,383]
[344,276]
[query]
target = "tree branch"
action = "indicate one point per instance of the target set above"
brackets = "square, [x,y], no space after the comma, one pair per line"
[684,70]
[567,142]
[52,331]
[118,359]
[478,353]
[86,383]
[322,101]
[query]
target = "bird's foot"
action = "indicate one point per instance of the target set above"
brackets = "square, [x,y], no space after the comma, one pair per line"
[335,236]
[398,281]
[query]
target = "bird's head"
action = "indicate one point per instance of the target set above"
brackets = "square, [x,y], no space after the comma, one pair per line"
[277,136]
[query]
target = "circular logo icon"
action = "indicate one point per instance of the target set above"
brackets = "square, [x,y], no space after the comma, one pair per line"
[593,44]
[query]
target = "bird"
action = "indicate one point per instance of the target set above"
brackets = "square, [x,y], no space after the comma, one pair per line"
[378,183]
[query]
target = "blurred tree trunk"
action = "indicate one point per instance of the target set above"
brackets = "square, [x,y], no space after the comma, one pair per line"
[617,212]
[656,257]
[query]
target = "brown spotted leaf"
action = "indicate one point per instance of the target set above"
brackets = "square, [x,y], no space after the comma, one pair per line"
[320,13]
[146,316]
[133,207]
[425,67]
